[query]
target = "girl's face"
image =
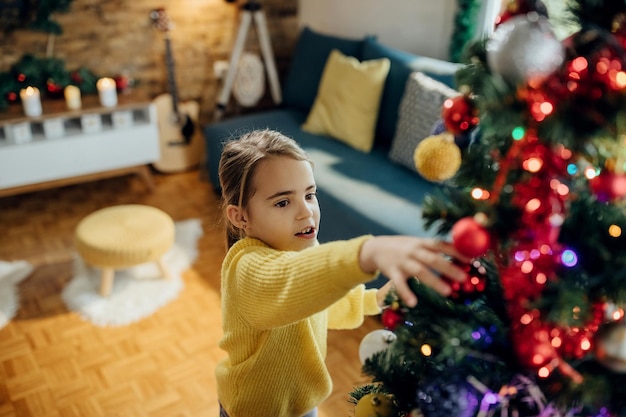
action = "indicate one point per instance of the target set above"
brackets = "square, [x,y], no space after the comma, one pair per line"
[283,212]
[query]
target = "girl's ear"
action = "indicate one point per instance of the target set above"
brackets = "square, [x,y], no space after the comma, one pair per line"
[235,216]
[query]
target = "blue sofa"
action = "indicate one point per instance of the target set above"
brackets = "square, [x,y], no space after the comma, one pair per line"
[359,193]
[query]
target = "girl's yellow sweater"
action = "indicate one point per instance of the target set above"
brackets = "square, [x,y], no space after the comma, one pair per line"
[276,308]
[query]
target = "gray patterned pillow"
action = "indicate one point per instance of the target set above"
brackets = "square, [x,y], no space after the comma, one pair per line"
[419,110]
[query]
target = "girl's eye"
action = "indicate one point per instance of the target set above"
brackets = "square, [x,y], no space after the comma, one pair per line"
[311,196]
[282,203]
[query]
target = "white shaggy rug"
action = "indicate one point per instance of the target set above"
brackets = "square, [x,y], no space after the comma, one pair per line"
[11,274]
[138,291]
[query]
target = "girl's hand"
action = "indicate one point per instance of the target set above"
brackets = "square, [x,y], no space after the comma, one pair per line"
[382,292]
[400,258]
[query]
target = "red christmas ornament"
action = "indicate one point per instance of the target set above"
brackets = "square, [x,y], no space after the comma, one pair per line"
[54,90]
[76,78]
[12,97]
[470,237]
[122,83]
[459,114]
[391,318]
[608,186]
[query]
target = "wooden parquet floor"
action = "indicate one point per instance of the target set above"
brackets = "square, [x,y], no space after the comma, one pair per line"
[53,363]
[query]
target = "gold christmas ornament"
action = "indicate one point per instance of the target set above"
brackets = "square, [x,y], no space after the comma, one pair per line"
[611,346]
[374,405]
[416,412]
[512,6]
[437,158]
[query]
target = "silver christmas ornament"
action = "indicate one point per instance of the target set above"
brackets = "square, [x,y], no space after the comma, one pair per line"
[524,48]
[611,346]
[375,341]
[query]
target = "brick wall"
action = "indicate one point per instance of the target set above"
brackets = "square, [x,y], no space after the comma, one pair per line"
[117,36]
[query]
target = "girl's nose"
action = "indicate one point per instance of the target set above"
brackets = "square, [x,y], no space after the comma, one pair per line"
[306,209]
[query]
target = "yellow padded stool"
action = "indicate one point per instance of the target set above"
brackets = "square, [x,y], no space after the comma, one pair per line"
[122,236]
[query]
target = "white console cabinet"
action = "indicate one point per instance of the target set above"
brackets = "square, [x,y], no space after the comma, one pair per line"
[67,146]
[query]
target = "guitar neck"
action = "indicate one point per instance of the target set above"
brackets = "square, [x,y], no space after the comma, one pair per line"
[171,77]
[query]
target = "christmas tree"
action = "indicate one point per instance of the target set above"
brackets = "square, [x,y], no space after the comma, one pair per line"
[538,201]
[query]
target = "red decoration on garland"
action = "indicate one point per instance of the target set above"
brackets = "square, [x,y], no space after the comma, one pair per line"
[531,339]
[470,237]
[590,81]
[535,258]
[459,114]
[577,341]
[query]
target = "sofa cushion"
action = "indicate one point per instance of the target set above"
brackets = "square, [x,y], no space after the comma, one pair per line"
[402,65]
[307,64]
[347,101]
[419,112]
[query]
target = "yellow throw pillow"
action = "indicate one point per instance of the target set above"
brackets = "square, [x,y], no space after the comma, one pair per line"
[348,99]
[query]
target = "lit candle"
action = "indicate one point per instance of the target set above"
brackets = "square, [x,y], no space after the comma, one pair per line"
[31,101]
[106,91]
[72,97]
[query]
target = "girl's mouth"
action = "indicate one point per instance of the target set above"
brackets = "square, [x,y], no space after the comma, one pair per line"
[306,232]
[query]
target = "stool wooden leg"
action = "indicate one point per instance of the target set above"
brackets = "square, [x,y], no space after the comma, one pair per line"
[144,172]
[106,281]
[164,269]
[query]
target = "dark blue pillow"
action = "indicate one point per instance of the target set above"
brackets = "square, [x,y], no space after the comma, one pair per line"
[307,65]
[402,65]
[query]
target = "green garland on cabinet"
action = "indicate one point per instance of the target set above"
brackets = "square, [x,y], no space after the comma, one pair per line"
[47,74]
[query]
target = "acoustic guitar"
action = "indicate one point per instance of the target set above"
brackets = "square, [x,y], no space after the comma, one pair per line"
[180,138]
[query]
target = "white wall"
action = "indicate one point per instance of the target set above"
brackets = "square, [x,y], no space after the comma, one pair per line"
[422,27]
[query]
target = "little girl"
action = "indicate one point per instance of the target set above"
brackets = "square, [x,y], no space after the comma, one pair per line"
[282,290]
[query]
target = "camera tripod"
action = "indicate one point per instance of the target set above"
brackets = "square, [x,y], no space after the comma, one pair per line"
[251,10]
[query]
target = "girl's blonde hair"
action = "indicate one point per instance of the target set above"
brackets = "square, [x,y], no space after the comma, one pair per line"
[238,163]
